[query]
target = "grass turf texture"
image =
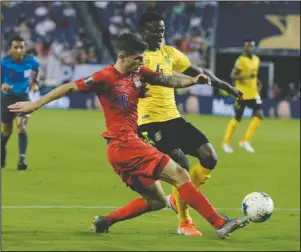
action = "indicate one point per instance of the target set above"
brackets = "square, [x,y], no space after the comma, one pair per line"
[68,167]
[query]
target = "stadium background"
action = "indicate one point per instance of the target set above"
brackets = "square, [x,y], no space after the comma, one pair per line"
[73,39]
[69,180]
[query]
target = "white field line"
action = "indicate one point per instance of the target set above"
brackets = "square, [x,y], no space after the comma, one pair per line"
[113,207]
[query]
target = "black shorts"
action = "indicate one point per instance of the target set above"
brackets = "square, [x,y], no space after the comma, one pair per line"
[6,100]
[239,106]
[173,134]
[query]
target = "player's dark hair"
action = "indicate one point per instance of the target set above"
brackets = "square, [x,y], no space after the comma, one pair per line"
[15,38]
[149,16]
[130,43]
[249,40]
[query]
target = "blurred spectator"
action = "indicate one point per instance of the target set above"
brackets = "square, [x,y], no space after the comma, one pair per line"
[92,56]
[275,91]
[40,22]
[292,93]
[82,57]
[187,23]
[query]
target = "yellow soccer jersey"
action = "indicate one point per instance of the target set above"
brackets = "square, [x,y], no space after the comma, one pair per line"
[248,66]
[161,106]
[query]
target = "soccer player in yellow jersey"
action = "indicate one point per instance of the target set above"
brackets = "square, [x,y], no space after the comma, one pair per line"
[245,76]
[160,122]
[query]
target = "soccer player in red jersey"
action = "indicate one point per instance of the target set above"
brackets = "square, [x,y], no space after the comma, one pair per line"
[139,165]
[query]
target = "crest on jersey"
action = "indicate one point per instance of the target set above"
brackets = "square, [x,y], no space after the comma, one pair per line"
[167,59]
[89,81]
[147,62]
[11,74]
[158,136]
[137,82]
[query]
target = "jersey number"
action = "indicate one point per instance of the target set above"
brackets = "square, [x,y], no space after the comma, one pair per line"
[123,101]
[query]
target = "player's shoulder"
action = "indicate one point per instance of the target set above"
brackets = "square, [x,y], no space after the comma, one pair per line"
[242,57]
[256,57]
[170,50]
[32,58]
[104,73]
[6,59]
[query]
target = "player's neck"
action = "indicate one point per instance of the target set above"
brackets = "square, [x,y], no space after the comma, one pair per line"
[18,60]
[120,68]
[249,55]
[153,48]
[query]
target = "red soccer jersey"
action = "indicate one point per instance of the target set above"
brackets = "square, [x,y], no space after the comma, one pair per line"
[118,95]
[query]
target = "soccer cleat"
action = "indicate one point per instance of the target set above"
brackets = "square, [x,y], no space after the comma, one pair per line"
[230,226]
[188,228]
[171,203]
[99,224]
[22,166]
[247,146]
[227,148]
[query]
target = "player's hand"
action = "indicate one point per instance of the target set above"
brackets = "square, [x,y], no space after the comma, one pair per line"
[144,92]
[236,93]
[201,79]
[5,87]
[23,107]
[34,88]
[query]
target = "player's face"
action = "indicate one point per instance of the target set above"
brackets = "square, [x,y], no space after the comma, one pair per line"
[249,47]
[153,33]
[18,50]
[133,62]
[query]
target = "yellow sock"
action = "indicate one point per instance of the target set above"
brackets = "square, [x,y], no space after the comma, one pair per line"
[254,124]
[199,175]
[230,130]
[183,208]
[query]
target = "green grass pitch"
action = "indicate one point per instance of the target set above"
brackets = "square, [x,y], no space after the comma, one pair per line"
[69,180]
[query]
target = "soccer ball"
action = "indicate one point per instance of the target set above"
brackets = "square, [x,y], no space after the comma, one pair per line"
[258,206]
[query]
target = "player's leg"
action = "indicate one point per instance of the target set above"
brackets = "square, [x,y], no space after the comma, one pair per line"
[194,143]
[7,129]
[164,136]
[239,107]
[23,141]
[22,135]
[6,125]
[253,125]
[153,199]
[175,202]
[173,174]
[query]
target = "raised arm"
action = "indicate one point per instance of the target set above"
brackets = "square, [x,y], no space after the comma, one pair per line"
[155,78]
[29,107]
[176,81]
[86,84]
[215,82]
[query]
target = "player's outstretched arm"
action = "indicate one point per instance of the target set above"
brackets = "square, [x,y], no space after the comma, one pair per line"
[29,107]
[215,82]
[176,81]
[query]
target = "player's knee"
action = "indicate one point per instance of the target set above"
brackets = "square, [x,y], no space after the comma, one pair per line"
[179,157]
[156,204]
[207,156]
[184,163]
[238,118]
[182,176]
[21,128]
[209,162]
[7,131]
[259,114]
